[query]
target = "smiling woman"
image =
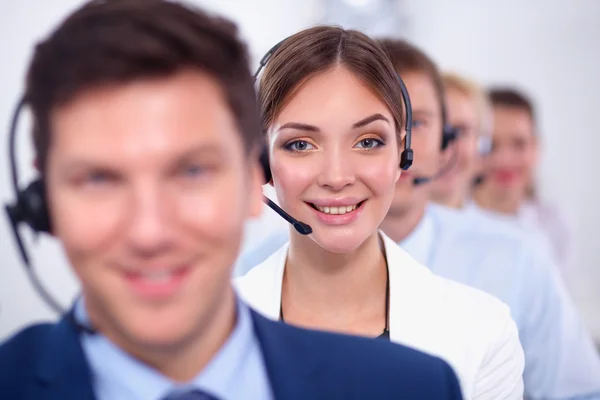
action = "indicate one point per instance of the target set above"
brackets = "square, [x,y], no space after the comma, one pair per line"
[332,115]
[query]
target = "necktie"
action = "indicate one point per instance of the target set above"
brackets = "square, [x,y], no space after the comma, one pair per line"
[194,394]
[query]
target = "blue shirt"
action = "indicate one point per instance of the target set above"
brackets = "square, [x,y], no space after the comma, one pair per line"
[237,371]
[560,358]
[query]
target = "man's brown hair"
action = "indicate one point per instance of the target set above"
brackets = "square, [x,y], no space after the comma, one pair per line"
[112,42]
[408,58]
[512,98]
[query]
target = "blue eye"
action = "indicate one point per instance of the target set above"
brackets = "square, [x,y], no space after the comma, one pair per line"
[192,170]
[97,177]
[298,145]
[416,123]
[369,143]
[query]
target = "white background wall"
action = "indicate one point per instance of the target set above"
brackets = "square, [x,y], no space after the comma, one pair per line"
[548,46]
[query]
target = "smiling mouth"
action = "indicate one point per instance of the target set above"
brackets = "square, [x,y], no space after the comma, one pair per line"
[339,210]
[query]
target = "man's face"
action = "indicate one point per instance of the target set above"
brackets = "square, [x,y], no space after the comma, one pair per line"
[511,165]
[426,143]
[149,188]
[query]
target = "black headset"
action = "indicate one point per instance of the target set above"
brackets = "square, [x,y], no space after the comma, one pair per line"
[449,132]
[29,207]
[30,204]
[406,159]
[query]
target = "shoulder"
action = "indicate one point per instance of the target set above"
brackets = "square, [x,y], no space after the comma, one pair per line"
[479,331]
[368,366]
[261,286]
[18,356]
[260,252]
[262,273]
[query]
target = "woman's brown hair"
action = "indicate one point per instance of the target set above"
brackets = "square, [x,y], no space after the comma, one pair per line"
[319,49]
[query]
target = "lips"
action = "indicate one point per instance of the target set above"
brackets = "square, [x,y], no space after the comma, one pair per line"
[505,176]
[157,283]
[335,214]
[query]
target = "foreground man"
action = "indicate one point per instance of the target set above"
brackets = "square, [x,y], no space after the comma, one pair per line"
[146,133]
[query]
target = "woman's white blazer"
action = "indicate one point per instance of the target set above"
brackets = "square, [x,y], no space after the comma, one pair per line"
[468,328]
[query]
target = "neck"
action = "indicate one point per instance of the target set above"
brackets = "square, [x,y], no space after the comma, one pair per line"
[184,360]
[503,203]
[399,225]
[333,291]
[453,200]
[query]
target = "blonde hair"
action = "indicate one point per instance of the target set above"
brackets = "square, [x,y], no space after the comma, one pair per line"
[471,88]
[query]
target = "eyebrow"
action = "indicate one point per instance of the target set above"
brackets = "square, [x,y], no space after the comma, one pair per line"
[212,151]
[423,113]
[311,128]
[369,119]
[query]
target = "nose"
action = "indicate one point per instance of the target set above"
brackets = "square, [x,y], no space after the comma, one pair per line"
[337,170]
[148,230]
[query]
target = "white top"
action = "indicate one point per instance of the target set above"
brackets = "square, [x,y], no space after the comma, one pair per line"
[469,329]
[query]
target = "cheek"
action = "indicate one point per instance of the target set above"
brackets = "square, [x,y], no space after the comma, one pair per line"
[291,177]
[85,223]
[380,176]
[217,211]
[467,149]
[426,150]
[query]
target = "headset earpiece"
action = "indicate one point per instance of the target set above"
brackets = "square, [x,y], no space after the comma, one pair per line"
[406,159]
[449,135]
[31,208]
[264,163]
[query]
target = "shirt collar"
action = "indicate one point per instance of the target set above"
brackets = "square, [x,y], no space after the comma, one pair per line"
[115,371]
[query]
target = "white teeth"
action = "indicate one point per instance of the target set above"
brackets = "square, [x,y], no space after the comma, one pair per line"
[337,210]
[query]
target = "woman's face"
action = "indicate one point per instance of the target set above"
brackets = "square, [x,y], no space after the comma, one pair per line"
[335,159]
[510,166]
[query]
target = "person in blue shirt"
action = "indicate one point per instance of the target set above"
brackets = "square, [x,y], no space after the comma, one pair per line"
[508,188]
[147,139]
[560,358]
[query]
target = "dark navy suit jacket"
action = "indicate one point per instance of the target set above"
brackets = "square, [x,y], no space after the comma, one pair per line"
[46,362]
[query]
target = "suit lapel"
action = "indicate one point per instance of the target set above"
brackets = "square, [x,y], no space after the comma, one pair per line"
[62,371]
[291,363]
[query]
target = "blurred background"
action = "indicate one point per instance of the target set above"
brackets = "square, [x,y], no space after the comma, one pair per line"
[548,48]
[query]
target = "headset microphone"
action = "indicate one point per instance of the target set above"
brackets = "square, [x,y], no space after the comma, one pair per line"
[301,227]
[423,180]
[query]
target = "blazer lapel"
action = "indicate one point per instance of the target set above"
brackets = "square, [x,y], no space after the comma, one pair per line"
[62,371]
[408,305]
[291,363]
[261,287]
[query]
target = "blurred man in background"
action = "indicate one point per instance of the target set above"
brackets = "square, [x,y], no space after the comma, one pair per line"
[509,186]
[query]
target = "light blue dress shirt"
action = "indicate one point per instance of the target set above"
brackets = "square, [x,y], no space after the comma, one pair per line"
[237,371]
[560,358]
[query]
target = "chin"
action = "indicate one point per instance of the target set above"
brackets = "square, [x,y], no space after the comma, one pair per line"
[341,240]
[157,328]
